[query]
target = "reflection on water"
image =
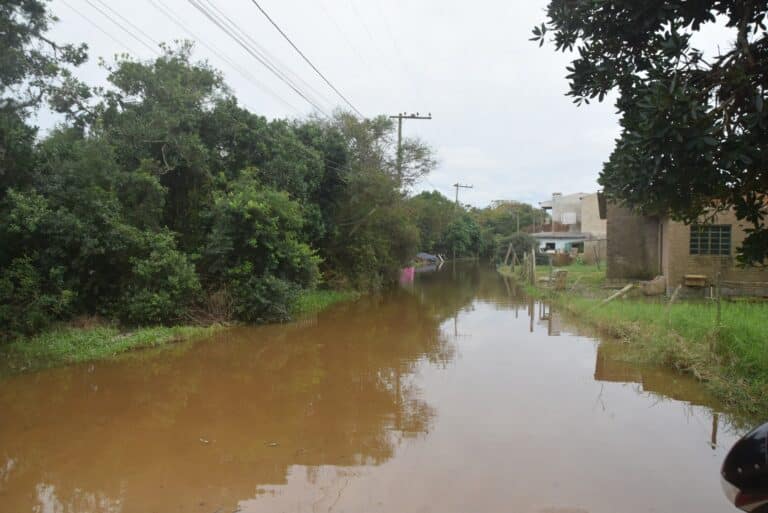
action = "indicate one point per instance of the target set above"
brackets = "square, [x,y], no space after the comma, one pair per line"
[454,393]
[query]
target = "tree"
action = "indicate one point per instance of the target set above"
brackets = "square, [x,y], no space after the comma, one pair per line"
[33,70]
[155,111]
[522,244]
[461,237]
[694,126]
[433,213]
[256,251]
[162,198]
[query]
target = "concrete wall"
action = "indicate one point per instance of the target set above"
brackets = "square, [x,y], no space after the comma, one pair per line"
[590,217]
[677,260]
[633,245]
[590,246]
[567,210]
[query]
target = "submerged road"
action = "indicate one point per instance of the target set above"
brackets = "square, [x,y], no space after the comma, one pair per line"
[453,394]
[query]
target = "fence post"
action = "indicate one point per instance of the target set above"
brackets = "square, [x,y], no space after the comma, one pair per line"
[718,319]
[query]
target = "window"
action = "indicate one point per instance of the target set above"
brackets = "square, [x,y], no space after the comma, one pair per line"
[711,239]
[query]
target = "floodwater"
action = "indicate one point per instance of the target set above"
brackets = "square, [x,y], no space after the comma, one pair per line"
[453,394]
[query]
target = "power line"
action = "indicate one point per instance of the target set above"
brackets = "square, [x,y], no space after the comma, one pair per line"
[126,20]
[306,59]
[399,54]
[238,38]
[253,53]
[97,26]
[343,33]
[335,166]
[242,71]
[122,27]
[165,10]
[285,70]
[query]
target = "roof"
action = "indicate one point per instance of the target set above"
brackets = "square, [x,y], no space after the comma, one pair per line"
[564,199]
[561,235]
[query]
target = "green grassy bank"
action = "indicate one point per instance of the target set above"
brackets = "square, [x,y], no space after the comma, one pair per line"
[317,300]
[731,359]
[68,345]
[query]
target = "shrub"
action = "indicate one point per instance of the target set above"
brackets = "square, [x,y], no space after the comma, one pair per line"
[31,299]
[161,285]
[261,298]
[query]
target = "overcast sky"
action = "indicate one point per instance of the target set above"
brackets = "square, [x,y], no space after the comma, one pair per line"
[501,120]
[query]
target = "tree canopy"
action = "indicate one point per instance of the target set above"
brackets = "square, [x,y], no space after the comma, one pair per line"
[694,125]
[160,199]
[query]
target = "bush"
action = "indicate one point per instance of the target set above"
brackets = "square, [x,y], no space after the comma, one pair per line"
[161,285]
[256,250]
[30,300]
[261,298]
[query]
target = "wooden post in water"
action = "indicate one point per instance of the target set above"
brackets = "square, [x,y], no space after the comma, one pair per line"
[509,250]
[533,267]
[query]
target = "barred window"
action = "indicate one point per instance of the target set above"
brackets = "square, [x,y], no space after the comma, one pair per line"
[711,239]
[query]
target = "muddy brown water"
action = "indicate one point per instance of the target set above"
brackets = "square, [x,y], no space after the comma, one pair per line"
[453,394]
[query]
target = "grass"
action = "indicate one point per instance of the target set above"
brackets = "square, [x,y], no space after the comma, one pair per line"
[315,300]
[67,345]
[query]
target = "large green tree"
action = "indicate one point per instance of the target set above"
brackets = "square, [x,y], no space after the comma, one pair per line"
[694,125]
[433,213]
[33,70]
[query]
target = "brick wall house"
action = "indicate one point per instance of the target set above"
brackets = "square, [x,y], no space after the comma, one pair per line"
[641,247]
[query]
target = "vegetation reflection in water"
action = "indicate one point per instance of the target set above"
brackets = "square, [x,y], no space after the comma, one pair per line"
[226,423]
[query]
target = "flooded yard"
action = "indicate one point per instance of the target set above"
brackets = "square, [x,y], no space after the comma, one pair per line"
[453,394]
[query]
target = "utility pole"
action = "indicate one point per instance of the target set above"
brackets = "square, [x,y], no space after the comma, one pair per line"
[461,186]
[400,117]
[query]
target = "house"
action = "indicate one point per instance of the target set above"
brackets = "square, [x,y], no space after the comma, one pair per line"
[642,247]
[576,225]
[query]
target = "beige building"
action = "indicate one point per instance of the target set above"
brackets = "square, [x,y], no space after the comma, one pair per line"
[585,231]
[642,247]
[591,222]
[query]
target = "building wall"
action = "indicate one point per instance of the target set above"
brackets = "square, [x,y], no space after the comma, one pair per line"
[567,210]
[590,217]
[633,245]
[560,244]
[677,260]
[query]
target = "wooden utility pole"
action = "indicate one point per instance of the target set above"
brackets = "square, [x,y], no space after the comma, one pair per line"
[400,117]
[460,186]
